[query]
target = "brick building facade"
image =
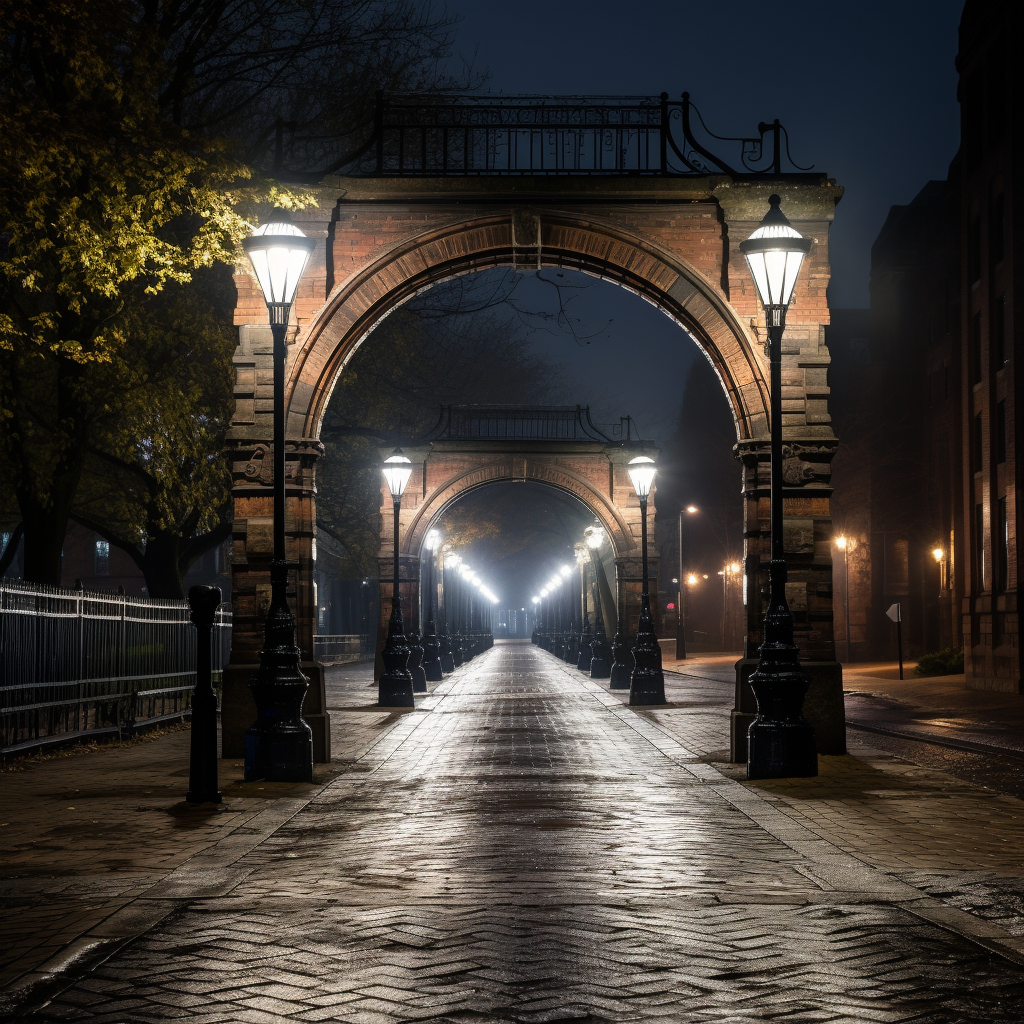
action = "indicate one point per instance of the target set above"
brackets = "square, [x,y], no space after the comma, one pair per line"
[928,488]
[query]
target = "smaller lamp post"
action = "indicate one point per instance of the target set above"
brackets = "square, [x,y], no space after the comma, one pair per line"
[279,745]
[690,510]
[395,689]
[647,683]
[446,653]
[622,656]
[780,742]
[432,667]
[600,650]
[535,635]
[586,649]
[843,543]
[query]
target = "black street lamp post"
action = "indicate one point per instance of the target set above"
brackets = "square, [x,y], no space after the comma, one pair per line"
[600,660]
[681,592]
[647,682]
[279,745]
[395,688]
[432,667]
[586,649]
[780,742]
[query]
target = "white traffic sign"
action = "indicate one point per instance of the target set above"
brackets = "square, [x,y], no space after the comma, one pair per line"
[894,612]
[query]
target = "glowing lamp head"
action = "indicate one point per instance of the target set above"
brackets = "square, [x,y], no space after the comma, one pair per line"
[397,470]
[565,571]
[595,536]
[774,253]
[279,252]
[536,600]
[938,554]
[734,567]
[432,539]
[841,543]
[544,592]
[691,509]
[641,472]
[691,580]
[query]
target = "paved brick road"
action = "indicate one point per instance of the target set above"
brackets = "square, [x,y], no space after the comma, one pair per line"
[525,848]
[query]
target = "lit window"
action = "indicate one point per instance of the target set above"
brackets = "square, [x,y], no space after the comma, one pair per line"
[102,558]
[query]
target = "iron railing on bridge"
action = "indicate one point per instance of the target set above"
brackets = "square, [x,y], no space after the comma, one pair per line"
[85,663]
[465,134]
[341,648]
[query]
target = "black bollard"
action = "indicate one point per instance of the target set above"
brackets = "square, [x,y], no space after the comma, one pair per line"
[202,773]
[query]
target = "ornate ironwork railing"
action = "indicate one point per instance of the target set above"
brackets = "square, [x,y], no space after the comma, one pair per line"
[516,423]
[78,662]
[441,135]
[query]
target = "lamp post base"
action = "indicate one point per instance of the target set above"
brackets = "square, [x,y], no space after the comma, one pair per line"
[279,746]
[647,681]
[622,664]
[780,741]
[416,670]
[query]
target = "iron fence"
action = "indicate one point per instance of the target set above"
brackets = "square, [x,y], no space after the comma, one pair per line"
[341,648]
[90,663]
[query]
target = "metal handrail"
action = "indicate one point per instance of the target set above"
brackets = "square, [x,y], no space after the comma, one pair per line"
[449,134]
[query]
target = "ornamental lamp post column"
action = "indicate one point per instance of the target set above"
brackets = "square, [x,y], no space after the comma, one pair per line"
[647,681]
[395,689]
[780,742]
[601,652]
[586,649]
[432,667]
[680,614]
[279,745]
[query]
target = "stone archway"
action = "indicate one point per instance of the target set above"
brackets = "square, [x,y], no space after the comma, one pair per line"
[478,446]
[671,240]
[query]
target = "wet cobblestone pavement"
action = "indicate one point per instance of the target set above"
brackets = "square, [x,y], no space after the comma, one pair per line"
[524,847]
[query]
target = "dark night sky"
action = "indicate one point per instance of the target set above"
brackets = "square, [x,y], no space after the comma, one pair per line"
[867,91]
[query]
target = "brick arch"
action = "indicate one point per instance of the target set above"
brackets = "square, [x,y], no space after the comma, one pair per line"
[501,470]
[357,305]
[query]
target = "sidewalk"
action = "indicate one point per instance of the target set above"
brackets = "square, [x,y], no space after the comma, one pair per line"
[936,709]
[523,847]
[88,834]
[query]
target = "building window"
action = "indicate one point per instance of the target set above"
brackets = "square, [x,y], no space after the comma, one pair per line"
[976,447]
[1002,539]
[971,113]
[101,558]
[996,240]
[974,250]
[997,330]
[975,349]
[996,113]
[980,569]
[1001,432]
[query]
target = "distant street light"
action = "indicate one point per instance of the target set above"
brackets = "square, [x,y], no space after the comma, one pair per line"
[780,741]
[844,545]
[647,683]
[395,689]
[279,745]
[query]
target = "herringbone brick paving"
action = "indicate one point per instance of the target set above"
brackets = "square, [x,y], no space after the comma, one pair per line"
[524,848]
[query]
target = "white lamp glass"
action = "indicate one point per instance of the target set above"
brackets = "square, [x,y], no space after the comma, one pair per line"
[641,472]
[433,538]
[774,254]
[397,470]
[279,252]
[595,534]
